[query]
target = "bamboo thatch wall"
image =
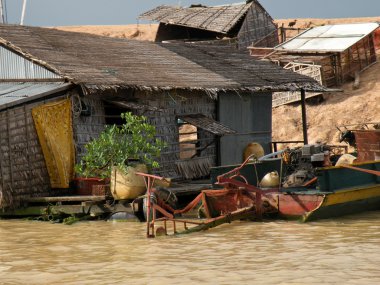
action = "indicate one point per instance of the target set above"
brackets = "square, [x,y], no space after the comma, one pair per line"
[171,104]
[22,165]
[257,25]
[23,170]
[86,127]
[175,104]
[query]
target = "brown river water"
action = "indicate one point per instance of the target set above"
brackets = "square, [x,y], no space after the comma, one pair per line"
[338,251]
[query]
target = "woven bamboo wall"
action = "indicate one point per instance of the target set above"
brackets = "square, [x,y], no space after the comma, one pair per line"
[23,171]
[257,25]
[174,104]
[88,122]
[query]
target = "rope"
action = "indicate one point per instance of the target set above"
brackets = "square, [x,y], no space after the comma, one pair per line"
[76,106]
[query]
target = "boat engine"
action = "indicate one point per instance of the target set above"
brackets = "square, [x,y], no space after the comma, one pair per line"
[302,163]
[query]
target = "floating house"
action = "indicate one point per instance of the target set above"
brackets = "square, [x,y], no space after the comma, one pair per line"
[340,51]
[59,89]
[249,23]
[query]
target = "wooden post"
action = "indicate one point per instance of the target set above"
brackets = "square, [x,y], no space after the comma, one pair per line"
[304,120]
[283,35]
[2,18]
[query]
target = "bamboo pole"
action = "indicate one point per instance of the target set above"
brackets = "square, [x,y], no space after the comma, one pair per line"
[23,12]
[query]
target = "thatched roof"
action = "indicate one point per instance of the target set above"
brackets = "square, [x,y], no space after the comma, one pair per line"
[101,62]
[220,19]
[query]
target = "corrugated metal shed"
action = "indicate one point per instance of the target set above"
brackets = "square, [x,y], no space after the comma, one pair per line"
[219,19]
[329,38]
[13,66]
[12,94]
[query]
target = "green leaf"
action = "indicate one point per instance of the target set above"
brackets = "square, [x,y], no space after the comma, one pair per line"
[116,145]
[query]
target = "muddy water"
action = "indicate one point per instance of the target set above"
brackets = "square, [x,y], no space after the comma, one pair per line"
[340,251]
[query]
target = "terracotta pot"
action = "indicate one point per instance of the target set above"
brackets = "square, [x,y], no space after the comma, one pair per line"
[85,186]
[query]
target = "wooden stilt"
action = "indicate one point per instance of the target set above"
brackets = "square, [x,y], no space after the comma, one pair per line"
[304,119]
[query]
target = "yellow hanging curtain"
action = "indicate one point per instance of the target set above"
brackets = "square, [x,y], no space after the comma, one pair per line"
[53,123]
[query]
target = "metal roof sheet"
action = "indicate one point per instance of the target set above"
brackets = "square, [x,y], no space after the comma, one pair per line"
[15,93]
[14,66]
[329,38]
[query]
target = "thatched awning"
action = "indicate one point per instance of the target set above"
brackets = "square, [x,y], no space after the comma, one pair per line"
[96,62]
[134,106]
[207,124]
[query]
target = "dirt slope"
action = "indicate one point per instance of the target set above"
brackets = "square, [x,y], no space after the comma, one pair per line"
[148,31]
[348,107]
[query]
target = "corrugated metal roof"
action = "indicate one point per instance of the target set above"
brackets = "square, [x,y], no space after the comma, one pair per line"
[14,66]
[15,93]
[329,38]
[207,124]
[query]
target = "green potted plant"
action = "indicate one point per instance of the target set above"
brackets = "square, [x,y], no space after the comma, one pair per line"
[119,151]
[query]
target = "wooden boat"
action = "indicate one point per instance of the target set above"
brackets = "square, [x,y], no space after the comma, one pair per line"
[334,191]
[339,191]
[326,191]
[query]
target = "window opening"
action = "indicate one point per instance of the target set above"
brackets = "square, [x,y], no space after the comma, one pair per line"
[188,140]
[113,113]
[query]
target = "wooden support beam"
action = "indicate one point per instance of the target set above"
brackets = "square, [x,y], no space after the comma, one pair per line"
[304,119]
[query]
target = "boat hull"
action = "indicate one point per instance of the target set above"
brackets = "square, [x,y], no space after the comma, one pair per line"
[338,191]
[314,206]
[346,202]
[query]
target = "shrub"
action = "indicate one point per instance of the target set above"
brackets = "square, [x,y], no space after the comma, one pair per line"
[120,146]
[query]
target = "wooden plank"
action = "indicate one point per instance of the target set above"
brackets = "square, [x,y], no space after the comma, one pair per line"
[93,209]
[66,199]
[9,149]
